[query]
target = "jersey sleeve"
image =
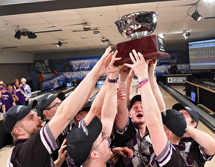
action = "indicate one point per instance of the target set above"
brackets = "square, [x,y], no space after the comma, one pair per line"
[122,137]
[204,155]
[164,157]
[48,139]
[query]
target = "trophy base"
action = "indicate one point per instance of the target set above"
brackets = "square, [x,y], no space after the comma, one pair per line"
[152,47]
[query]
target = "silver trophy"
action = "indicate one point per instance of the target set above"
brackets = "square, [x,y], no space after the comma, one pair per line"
[138,26]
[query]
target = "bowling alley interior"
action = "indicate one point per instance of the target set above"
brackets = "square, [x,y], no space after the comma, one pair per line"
[54,44]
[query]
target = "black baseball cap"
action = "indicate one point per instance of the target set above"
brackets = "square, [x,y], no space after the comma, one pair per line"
[134,99]
[45,101]
[192,112]
[15,114]
[174,121]
[87,106]
[80,141]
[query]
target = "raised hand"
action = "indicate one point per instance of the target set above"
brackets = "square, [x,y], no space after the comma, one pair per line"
[114,70]
[139,66]
[124,73]
[101,66]
[151,68]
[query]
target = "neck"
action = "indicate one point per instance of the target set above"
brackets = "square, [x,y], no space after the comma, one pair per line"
[172,141]
[142,129]
[96,164]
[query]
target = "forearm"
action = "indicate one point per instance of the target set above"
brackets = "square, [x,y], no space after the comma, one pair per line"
[66,111]
[16,97]
[122,111]
[208,143]
[97,104]
[109,108]
[128,89]
[157,93]
[21,91]
[13,103]
[58,163]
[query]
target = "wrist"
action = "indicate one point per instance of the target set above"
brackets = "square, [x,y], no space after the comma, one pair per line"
[112,76]
[142,77]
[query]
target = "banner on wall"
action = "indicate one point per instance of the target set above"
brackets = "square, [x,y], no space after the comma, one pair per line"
[71,69]
[54,82]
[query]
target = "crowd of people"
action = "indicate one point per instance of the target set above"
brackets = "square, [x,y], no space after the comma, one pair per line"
[17,93]
[112,130]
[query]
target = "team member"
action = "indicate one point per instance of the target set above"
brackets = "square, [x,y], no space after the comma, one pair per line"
[8,99]
[27,90]
[19,92]
[89,144]
[2,104]
[164,153]
[2,83]
[48,106]
[34,143]
[197,151]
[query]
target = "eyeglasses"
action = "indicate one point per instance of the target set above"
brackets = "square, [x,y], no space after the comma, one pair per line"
[56,105]
[104,136]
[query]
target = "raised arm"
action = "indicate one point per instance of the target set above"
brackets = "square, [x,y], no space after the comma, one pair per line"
[208,143]
[155,88]
[72,104]
[122,110]
[128,87]
[151,110]
[109,108]
[96,107]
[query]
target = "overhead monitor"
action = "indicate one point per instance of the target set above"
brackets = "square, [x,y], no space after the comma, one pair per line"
[202,54]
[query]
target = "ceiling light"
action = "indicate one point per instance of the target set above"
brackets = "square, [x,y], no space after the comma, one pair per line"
[59,44]
[31,35]
[18,34]
[196,16]
[209,1]
[96,32]
[186,35]
[103,40]
[161,35]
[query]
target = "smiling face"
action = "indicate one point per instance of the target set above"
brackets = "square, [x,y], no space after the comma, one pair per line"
[136,113]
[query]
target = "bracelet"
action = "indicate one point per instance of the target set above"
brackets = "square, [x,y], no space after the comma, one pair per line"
[112,80]
[143,83]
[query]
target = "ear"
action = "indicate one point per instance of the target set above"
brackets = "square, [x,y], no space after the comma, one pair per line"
[129,114]
[46,113]
[94,155]
[194,124]
[18,131]
[77,117]
[169,134]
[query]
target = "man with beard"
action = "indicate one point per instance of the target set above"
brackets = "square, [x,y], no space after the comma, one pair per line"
[33,143]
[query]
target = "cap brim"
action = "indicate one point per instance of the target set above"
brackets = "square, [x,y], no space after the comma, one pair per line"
[28,109]
[61,96]
[96,127]
[178,107]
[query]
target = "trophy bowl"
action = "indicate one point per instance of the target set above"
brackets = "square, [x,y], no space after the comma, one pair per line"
[138,26]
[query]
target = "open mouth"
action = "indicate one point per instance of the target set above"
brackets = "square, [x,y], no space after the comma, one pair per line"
[139,115]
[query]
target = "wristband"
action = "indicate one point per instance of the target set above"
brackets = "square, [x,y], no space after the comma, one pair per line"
[143,83]
[112,80]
